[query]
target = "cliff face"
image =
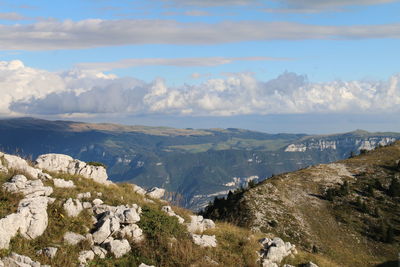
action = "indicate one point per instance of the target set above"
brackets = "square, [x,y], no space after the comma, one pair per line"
[347,211]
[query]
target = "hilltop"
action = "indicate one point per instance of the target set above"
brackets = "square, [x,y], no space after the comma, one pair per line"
[346,213]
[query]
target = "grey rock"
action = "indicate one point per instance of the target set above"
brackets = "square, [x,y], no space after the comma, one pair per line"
[99,252]
[87,205]
[97,202]
[145,265]
[72,238]
[204,240]
[275,250]
[16,260]
[19,164]
[73,207]
[170,212]
[85,195]
[85,255]
[118,247]
[199,224]
[102,232]
[29,188]
[63,183]
[49,252]
[156,193]
[139,190]
[64,163]
[133,232]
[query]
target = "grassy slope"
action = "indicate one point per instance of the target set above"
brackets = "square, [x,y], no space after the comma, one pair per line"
[348,230]
[167,242]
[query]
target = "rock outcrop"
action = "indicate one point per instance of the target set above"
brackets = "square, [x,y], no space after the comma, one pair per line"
[204,240]
[73,207]
[170,212]
[199,224]
[156,193]
[274,251]
[16,260]
[31,218]
[64,163]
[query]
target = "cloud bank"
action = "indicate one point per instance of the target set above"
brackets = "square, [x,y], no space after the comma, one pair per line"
[90,33]
[30,91]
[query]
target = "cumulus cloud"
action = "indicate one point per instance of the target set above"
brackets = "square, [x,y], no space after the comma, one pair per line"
[178,62]
[47,35]
[236,94]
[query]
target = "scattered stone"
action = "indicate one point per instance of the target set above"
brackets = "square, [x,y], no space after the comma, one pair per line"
[73,238]
[145,265]
[16,260]
[118,247]
[138,189]
[73,207]
[199,224]
[204,240]
[170,212]
[49,252]
[99,252]
[156,193]
[288,265]
[84,195]
[85,255]
[64,163]
[63,183]
[97,202]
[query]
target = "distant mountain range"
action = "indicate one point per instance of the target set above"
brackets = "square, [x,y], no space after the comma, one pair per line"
[193,165]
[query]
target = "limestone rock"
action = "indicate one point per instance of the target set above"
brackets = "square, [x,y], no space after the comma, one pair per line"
[73,207]
[49,252]
[16,260]
[311,264]
[138,189]
[133,232]
[87,205]
[73,238]
[199,224]
[102,232]
[170,212]
[84,195]
[64,163]
[97,201]
[99,252]
[118,247]
[156,193]
[17,163]
[275,250]
[204,240]
[145,265]
[63,183]
[29,188]
[85,255]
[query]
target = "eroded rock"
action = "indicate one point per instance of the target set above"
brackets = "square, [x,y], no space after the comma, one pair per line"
[156,193]
[118,247]
[275,250]
[16,260]
[63,183]
[73,207]
[204,240]
[199,224]
[170,212]
[72,238]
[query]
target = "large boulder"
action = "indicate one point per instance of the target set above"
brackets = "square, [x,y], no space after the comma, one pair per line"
[61,183]
[29,188]
[118,247]
[64,163]
[19,164]
[199,224]
[72,238]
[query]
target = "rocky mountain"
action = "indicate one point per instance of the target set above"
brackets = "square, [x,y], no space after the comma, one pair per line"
[194,166]
[59,211]
[344,213]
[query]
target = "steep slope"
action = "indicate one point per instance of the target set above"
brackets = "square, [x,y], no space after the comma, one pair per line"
[193,165]
[346,211]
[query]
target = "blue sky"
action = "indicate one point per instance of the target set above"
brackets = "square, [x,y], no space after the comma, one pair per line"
[290,64]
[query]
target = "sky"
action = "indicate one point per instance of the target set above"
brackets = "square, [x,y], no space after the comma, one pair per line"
[303,66]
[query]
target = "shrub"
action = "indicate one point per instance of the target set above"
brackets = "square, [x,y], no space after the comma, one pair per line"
[98,164]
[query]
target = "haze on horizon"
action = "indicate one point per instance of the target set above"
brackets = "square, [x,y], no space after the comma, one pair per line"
[274,66]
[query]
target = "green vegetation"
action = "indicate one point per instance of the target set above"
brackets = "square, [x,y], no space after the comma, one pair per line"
[95,163]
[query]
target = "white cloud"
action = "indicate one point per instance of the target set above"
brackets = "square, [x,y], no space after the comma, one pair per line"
[47,35]
[30,91]
[11,16]
[179,62]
